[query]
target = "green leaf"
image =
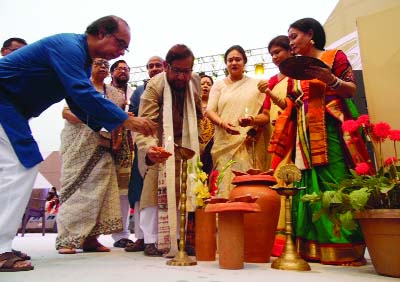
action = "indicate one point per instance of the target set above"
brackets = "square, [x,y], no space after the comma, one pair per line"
[331,197]
[385,188]
[314,197]
[221,173]
[359,198]
[347,221]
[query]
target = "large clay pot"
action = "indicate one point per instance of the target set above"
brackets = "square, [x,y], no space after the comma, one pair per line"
[205,235]
[381,229]
[259,228]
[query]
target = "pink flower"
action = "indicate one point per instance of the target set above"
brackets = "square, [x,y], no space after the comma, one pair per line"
[381,130]
[350,126]
[363,120]
[394,135]
[362,168]
[391,160]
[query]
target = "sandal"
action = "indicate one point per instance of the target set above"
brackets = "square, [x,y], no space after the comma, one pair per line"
[21,254]
[150,250]
[11,263]
[138,246]
[122,243]
[66,250]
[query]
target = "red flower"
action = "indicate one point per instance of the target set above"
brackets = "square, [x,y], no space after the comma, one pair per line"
[363,120]
[362,168]
[381,130]
[350,126]
[213,182]
[391,160]
[394,135]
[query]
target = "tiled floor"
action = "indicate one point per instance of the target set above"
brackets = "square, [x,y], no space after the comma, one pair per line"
[119,265]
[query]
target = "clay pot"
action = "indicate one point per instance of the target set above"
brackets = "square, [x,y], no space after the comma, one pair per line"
[381,229]
[231,231]
[205,235]
[230,240]
[260,227]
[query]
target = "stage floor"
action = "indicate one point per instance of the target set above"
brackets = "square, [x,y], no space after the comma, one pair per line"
[119,265]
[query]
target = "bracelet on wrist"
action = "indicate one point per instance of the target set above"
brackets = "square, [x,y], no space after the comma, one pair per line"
[335,84]
[275,99]
[278,101]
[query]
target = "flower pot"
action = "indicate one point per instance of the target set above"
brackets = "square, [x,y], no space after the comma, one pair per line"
[381,229]
[260,227]
[205,235]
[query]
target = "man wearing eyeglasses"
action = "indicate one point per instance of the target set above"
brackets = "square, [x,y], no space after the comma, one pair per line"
[155,65]
[12,44]
[171,99]
[31,80]
[119,79]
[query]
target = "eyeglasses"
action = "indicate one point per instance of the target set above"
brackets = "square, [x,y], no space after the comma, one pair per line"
[121,43]
[121,69]
[11,49]
[176,71]
[101,63]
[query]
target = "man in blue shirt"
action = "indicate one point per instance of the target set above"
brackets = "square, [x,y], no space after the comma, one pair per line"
[31,80]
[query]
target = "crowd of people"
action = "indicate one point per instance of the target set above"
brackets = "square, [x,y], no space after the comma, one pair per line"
[117,145]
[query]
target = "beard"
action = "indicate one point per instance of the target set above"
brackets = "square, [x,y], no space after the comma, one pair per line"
[179,85]
[121,81]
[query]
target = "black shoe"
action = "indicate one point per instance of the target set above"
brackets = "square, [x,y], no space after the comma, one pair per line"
[122,243]
[150,250]
[138,246]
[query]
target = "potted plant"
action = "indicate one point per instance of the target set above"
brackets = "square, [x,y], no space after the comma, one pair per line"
[369,198]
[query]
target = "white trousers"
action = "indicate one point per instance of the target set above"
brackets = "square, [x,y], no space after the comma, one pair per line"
[16,182]
[125,207]
[149,224]
[136,215]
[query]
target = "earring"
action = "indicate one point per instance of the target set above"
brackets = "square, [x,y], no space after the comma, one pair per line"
[312,42]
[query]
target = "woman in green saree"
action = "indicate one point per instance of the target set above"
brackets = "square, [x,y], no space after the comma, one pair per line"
[310,128]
